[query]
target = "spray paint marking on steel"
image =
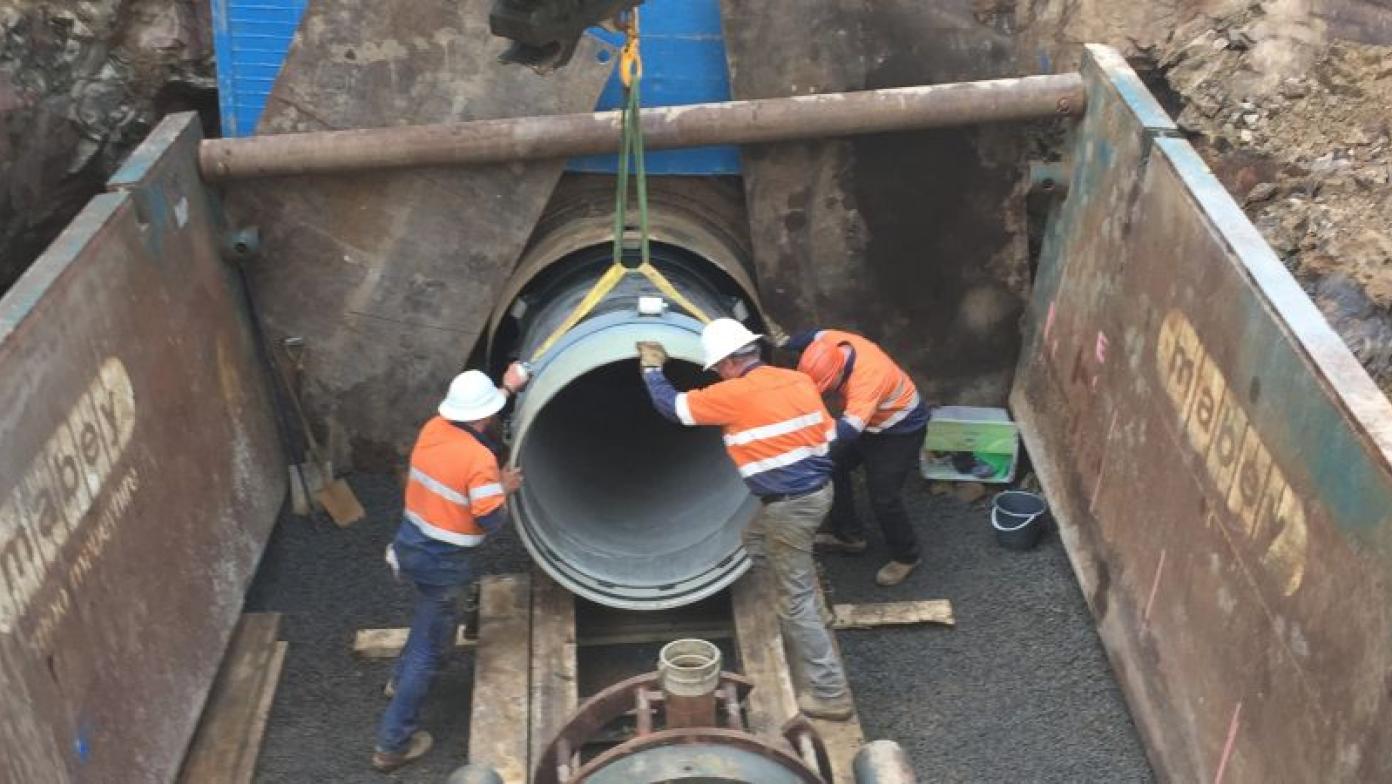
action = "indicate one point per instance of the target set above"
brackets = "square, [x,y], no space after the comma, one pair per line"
[53,497]
[1235,457]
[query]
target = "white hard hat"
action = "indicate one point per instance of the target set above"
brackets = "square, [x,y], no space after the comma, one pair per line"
[471,397]
[723,337]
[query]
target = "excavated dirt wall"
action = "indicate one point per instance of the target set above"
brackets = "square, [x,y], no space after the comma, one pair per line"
[81,83]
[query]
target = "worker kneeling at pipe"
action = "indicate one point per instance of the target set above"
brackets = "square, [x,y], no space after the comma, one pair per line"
[456,496]
[778,432]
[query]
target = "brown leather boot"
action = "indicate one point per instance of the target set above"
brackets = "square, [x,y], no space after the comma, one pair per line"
[388,761]
[829,708]
[894,572]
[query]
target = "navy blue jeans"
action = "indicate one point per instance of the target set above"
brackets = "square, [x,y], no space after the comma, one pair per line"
[441,579]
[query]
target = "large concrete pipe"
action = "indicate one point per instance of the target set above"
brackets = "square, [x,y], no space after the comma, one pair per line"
[619,505]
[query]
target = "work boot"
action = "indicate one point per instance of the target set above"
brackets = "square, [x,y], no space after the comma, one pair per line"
[838,708]
[894,572]
[388,761]
[832,543]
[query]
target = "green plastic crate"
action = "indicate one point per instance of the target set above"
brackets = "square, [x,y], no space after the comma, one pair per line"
[987,433]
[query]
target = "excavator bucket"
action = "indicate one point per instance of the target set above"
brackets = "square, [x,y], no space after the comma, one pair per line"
[544,33]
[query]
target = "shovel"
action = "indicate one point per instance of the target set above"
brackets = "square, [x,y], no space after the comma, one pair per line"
[332,493]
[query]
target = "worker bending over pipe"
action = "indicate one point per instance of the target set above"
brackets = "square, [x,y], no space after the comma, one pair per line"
[778,432]
[881,427]
[455,497]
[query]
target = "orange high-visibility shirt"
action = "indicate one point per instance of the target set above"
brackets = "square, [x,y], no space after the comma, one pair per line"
[878,394]
[777,429]
[454,481]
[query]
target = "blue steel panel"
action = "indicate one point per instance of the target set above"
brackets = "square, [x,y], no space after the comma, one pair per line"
[684,63]
[683,55]
[250,38]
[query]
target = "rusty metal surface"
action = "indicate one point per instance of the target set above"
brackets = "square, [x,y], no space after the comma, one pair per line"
[139,478]
[390,278]
[1220,465]
[718,753]
[606,706]
[665,127]
[929,226]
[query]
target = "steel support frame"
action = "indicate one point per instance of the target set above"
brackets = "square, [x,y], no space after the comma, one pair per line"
[730,122]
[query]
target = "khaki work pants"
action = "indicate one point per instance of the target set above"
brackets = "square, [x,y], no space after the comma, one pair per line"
[780,538]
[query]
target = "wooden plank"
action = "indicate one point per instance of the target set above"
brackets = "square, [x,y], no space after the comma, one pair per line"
[387,643]
[868,616]
[498,723]
[256,731]
[228,738]
[554,689]
[762,658]
[663,633]
[842,738]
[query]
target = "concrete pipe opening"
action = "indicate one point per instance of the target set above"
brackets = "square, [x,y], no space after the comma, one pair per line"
[620,505]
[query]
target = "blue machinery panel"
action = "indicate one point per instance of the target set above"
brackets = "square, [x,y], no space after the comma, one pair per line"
[683,63]
[250,38]
[683,55]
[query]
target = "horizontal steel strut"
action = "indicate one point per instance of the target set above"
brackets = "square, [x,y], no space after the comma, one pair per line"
[564,135]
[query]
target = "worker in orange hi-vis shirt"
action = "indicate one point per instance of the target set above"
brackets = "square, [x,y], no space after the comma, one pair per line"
[456,497]
[778,433]
[881,428]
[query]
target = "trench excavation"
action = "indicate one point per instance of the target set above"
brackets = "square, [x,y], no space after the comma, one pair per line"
[620,505]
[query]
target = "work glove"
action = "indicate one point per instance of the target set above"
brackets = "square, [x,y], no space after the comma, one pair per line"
[516,377]
[651,354]
[775,334]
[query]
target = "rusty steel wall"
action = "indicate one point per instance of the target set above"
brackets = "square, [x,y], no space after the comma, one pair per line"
[140,475]
[389,277]
[917,240]
[1219,464]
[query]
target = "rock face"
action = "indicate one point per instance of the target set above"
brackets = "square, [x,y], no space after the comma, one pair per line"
[1289,102]
[1297,123]
[81,83]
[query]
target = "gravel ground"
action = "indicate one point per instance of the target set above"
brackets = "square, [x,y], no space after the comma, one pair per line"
[1019,691]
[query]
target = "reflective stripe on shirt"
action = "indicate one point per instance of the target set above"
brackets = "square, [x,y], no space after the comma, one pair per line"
[684,411]
[481,492]
[897,416]
[441,535]
[438,488]
[771,430]
[782,460]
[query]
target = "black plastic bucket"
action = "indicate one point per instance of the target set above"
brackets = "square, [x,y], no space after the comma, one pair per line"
[1018,519]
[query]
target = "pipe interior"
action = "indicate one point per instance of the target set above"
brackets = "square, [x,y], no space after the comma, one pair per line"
[624,495]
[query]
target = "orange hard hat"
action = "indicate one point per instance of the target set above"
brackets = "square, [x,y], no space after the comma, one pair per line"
[823,361]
